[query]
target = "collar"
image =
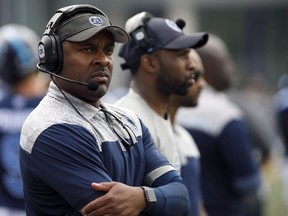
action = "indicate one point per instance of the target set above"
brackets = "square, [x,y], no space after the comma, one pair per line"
[83,107]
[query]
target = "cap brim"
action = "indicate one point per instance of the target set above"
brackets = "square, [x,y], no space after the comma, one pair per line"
[194,40]
[120,35]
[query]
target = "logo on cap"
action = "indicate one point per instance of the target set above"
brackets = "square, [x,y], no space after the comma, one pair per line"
[172,25]
[97,21]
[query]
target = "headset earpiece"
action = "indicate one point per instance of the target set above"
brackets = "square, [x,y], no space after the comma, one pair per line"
[142,40]
[50,53]
[50,47]
[135,26]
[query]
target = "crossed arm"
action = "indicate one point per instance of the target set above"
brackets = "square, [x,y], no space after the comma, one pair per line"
[120,199]
[76,163]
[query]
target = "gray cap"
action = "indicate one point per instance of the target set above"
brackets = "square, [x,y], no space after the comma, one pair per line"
[85,25]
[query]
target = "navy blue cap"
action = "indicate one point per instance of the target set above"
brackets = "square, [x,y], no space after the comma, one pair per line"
[149,33]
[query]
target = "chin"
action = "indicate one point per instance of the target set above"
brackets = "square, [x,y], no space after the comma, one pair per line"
[181,92]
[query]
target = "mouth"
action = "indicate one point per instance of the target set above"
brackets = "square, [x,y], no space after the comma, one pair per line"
[190,81]
[100,77]
[192,75]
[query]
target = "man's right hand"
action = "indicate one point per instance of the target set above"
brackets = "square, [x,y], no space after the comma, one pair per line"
[120,200]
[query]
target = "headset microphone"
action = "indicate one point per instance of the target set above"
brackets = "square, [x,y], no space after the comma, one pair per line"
[92,85]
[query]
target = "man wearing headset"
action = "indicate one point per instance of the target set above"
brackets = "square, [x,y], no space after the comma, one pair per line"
[230,173]
[75,149]
[188,150]
[158,57]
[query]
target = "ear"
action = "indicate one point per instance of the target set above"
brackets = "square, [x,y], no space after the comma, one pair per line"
[208,75]
[149,63]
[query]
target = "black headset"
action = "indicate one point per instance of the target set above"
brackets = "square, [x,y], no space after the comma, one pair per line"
[138,31]
[136,27]
[50,47]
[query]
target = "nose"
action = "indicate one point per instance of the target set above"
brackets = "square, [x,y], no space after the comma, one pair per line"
[100,58]
[192,68]
[191,64]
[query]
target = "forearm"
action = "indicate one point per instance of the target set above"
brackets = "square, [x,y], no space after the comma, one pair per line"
[248,185]
[119,199]
[172,199]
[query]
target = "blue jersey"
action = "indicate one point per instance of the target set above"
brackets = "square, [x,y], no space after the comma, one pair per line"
[228,169]
[14,109]
[62,152]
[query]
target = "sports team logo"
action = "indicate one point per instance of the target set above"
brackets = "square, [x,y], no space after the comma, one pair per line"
[97,21]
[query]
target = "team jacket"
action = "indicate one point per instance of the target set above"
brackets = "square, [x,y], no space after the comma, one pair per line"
[229,170]
[62,151]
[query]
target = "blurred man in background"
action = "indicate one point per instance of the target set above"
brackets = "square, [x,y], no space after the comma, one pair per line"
[229,172]
[188,150]
[24,89]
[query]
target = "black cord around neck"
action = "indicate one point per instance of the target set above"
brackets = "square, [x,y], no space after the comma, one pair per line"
[109,120]
[129,131]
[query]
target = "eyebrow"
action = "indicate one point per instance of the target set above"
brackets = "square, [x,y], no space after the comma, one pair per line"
[88,43]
